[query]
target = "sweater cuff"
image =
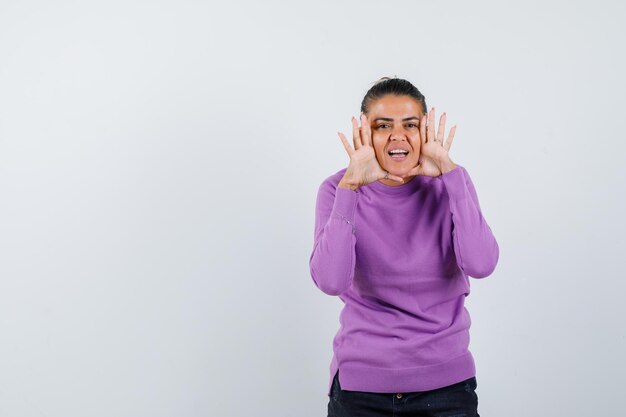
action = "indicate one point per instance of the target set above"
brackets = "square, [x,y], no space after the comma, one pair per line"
[345,203]
[454,182]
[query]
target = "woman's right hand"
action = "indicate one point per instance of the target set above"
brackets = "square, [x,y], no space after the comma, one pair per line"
[364,167]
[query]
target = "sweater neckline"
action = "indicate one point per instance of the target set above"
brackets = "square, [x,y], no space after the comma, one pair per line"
[406,188]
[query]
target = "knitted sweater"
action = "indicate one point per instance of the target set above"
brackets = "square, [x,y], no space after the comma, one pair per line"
[399,258]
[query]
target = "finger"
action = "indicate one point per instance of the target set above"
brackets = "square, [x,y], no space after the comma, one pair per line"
[346,145]
[356,136]
[423,130]
[366,130]
[395,178]
[386,175]
[413,171]
[450,138]
[430,127]
[442,126]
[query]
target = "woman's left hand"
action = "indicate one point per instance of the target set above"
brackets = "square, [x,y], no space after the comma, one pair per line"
[434,158]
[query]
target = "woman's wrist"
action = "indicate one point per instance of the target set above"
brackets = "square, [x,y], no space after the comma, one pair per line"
[446,165]
[348,183]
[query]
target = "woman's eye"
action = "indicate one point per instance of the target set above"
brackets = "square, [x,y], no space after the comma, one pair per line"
[412,125]
[382,126]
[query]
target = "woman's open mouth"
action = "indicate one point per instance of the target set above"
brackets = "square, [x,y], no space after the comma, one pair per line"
[398,155]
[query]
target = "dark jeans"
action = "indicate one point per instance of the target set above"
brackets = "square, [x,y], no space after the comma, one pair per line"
[456,400]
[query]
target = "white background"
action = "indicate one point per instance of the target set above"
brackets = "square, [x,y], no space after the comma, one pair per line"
[159,164]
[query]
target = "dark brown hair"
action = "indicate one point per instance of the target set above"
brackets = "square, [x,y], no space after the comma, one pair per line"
[394,86]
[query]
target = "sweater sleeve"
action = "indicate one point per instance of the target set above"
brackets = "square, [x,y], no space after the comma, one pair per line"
[475,246]
[333,258]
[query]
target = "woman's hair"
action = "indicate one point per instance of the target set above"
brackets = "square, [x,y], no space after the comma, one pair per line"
[392,86]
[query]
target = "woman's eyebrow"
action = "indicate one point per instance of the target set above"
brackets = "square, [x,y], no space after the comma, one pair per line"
[388,119]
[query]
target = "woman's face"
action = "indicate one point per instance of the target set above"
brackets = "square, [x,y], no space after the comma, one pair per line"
[395,122]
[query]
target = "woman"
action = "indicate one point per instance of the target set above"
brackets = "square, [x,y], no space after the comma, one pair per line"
[397,235]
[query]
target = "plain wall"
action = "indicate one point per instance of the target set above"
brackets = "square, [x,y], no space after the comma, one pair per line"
[159,164]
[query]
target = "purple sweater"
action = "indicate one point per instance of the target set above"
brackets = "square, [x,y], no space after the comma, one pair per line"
[399,258]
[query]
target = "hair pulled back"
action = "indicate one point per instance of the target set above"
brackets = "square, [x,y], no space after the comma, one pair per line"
[392,86]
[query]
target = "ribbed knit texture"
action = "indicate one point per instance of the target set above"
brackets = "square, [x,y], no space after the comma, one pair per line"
[400,257]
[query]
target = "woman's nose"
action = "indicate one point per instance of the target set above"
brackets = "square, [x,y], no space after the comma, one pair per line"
[397,133]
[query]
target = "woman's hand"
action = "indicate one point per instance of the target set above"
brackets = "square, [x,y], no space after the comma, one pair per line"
[434,158]
[364,167]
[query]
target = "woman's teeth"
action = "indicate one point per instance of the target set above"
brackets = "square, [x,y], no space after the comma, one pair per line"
[398,155]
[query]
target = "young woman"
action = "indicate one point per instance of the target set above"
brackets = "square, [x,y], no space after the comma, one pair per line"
[397,235]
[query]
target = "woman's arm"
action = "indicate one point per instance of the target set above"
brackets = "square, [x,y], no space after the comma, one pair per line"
[333,258]
[475,246]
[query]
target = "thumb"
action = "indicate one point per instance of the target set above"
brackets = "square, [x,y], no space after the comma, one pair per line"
[414,171]
[395,177]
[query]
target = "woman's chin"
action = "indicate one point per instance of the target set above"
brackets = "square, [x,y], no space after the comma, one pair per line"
[400,168]
[400,171]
